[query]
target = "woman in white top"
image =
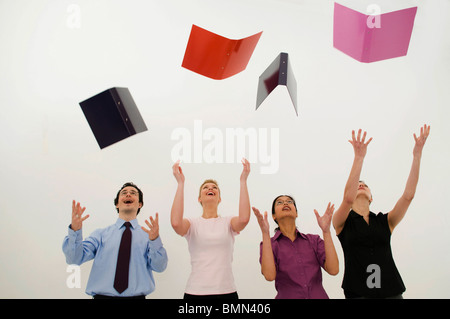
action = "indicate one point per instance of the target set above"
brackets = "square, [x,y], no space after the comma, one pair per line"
[210,237]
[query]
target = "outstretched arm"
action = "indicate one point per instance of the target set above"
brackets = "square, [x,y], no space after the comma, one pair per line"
[75,249]
[157,256]
[331,265]
[351,188]
[268,268]
[400,208]
[179,224]
[239,222]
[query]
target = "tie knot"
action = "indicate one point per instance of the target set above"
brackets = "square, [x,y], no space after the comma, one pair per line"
[127,224]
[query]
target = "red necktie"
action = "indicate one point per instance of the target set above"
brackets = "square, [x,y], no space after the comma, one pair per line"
[123,260]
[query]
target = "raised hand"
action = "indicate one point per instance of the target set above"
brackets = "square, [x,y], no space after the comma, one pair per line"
[420,141]
[245,169]
[77,216]
[178,172]
[153,225]
[324,221]
[359,144]
[262,221]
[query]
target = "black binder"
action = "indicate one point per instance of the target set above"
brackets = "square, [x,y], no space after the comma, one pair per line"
[113,116]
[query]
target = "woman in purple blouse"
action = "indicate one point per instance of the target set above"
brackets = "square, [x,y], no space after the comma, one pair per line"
[293,259]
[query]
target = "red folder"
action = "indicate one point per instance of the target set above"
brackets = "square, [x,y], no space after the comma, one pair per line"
[215,56]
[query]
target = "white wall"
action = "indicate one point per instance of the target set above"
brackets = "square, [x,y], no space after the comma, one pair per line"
[50,156]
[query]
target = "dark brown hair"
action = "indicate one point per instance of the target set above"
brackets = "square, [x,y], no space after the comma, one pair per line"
[141,195]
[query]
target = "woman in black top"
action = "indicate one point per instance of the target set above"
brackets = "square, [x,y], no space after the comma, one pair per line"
[370,271]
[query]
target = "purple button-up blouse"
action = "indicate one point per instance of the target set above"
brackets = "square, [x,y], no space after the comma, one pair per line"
[298,265]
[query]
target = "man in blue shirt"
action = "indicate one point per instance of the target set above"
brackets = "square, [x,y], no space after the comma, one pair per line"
[147,252]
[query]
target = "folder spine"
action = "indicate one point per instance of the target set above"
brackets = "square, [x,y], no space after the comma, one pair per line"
[367,44]
[120,105]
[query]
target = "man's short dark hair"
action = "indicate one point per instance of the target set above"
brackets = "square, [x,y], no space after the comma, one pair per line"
[141,195]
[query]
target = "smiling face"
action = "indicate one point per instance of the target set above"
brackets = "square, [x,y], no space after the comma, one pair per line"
[283,207]
[209,192]
[128,200]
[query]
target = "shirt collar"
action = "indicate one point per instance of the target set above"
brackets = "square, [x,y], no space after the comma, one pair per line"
[120,222]
[278,233]
[354,214]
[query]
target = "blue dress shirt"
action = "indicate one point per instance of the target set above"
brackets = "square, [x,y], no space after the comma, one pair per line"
[103,247]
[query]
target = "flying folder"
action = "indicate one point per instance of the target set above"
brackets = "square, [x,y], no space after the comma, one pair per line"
[356,35]
[279,72]
[113,116]
[217,57]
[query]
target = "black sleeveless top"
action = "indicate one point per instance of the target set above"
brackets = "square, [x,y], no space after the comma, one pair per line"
[370,270]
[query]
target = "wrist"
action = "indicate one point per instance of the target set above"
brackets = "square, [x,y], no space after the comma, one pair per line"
[266,234]
[74,229]
[417,154]
[326,234]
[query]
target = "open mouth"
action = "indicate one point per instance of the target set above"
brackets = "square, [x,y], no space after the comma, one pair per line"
[128,201]
[286,208]
[210,194]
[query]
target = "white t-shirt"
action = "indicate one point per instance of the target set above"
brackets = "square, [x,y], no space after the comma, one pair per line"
[211,244]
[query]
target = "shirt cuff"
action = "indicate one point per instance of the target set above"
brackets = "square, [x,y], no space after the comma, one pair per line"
[156,243]
[74,234]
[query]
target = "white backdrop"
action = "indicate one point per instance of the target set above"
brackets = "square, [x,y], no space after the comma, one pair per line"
[50,61]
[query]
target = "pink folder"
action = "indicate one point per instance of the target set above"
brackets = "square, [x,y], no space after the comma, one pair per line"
[217,57]
[353,35]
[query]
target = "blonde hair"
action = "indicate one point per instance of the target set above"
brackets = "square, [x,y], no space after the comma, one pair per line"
[206,182]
